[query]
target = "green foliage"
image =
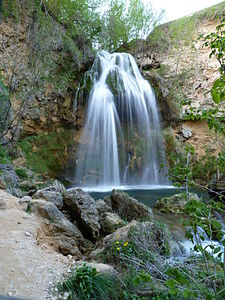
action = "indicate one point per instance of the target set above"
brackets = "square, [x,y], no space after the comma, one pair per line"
[216,41]
[125,21]
[86,283]
[44,153]
[4,105]
[11,8]
[21,173]
[4,158]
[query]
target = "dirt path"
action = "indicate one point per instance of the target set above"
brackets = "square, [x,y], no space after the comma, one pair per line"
[25,268]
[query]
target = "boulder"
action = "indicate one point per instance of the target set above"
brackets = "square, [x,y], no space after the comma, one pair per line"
[102,207]
[24,202]
[101,268]
[144,236]
[68,236]
[175,204]
[82,209]
[120,234]
[50,194]
[2,184]
[9,178]
[28,186]
[110,222]
[129,208]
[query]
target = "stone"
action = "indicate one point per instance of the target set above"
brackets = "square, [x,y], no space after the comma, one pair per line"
[175,204]
[120,234]
[24,202]
[102,206]
[129,208]
[2,204]
[2,184]
[27,186]
[101,268]
[82,209]
[186,132]
[66,235]
[110,222]
[9,177]
[146,236]
[50,194]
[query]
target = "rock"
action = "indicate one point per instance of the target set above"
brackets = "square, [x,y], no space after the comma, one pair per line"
[175,204]
[110,222]
[102,207]
[128,207]
[50,194]
[10,178]
[28,234]
[82,209]
[101,268]
[2,184]
[144,236]
[68,237]
[186,132]
[119,234]
[2,204]
[28,186]
[24,202]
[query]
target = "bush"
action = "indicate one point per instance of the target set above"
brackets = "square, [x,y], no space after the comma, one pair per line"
[4,158]
[86,283]
[21,173]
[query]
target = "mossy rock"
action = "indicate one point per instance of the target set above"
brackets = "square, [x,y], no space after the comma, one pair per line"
[46,153]
[175,204]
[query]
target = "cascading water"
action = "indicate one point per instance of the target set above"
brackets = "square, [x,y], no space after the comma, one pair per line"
[121,142]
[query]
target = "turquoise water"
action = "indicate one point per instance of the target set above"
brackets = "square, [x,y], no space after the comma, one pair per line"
[149,197]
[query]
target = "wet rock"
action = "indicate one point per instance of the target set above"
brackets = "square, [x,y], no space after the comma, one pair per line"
[50,194]
[102,207]
[66,234]
[128,207]
[175,204]
[82,209]
[110,222]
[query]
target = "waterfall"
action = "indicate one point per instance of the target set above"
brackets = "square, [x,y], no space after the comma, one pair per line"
[121,143]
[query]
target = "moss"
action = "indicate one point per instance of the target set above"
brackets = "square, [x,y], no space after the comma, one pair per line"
[45,153]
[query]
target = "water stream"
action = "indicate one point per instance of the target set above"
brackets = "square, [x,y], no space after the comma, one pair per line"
[121,142]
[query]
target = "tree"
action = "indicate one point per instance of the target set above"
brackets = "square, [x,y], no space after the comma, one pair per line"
[216,41]
[125,21]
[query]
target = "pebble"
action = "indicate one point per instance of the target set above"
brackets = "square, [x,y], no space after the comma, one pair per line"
[19,222]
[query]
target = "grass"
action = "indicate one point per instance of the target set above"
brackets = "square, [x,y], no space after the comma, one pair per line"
[4,157]
[86,283]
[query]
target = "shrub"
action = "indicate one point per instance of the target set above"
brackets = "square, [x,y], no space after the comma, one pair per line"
[21,173]
[86,283]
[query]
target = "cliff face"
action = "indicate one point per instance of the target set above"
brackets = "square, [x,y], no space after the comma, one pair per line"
[40,74]
[38,68]
[179,67]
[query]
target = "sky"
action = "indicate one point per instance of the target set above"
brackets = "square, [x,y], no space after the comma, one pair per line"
[175,9]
